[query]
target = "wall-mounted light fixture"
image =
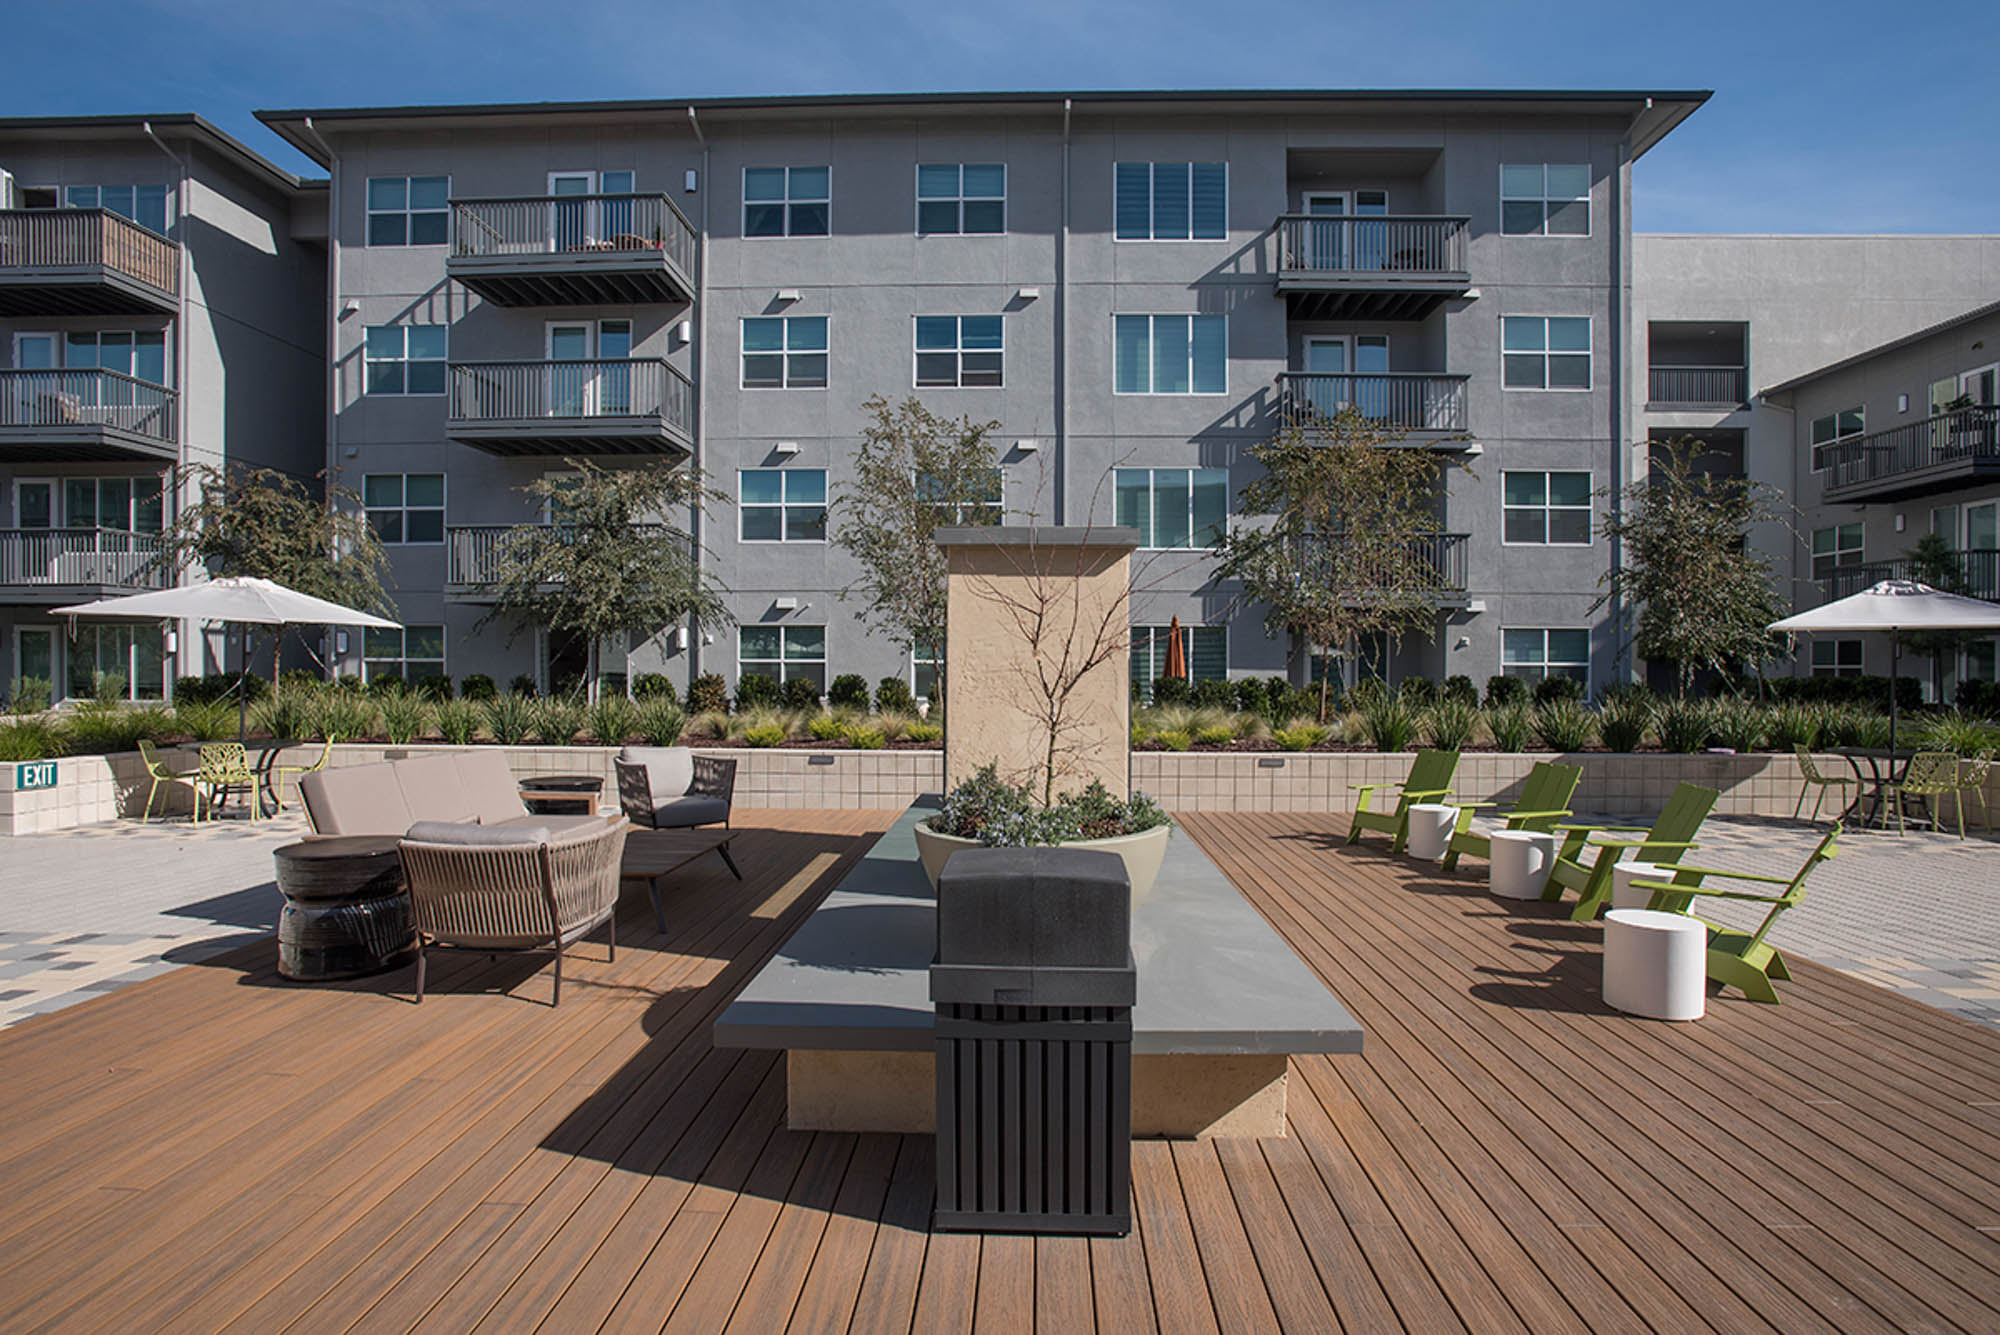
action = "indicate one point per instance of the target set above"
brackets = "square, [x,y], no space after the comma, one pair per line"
[1028,446]
[789,294]
[173,640]
[690,182]
[1902,403]
[787,604]
[340,641]
[786,447]
[685,331]
[1028,294]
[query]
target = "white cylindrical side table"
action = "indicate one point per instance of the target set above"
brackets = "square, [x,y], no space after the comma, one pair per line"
[1519,867]
[1430,829]
[1623,896]
[1655,964]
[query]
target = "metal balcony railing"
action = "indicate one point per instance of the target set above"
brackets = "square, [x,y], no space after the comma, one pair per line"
[472,551]
[1698,384]
[72,238]
[1976,574]
[1407,245]
[496,392]
[1965,441]
[1404,400]
[1436,565]
[103,557]
[572,224]
[69,399]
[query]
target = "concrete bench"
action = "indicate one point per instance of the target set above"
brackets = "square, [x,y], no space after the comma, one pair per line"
[1222,1003]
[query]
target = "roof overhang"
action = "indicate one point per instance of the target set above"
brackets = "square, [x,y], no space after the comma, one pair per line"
[170,125]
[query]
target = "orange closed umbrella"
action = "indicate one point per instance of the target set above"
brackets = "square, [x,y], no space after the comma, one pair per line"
[1176,655]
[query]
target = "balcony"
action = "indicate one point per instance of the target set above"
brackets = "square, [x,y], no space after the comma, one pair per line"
[634,406]
[1430,409]
[63,565]
[1977,575]
[1723,388]
[471,556]
[84,262]
[86,416]
[1940,453]
[1371,268]
[576,250]
[1436,565]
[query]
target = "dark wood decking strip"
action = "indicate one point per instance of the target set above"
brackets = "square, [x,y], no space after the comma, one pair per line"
[215,1149]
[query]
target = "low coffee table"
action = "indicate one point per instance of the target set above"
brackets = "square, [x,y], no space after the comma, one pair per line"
[653,854]
[347,909]
[553,794]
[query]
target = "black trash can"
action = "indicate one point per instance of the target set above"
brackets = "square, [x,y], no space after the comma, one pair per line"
[1034,984]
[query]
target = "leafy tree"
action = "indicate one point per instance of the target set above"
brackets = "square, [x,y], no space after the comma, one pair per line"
[914,473]
[1341,541]
[1934,562]
[613,560]
[272,525]
[1704,594]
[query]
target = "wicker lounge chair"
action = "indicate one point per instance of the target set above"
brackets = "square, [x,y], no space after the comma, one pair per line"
[512,887]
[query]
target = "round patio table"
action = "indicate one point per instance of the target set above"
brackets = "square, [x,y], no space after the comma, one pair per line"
[553,794]
[347,909]
[1871,787]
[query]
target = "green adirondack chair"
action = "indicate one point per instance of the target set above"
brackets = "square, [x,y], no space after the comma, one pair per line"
[1737,958]
[1428,781]
[1544,800]
[1585,866]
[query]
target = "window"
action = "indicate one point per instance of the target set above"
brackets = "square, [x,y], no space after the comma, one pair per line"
[1171,201]
[1829,431]
[781,504]
[405,507]
[1535,654]
[966,197]
[135,653]
[408,210]
[1545,200]
[1206,649]
[1835,547]
[127,504]
[1170,354]
[142,204]
[1545,351]
[406,358]
[784,352]
[786,201]
[1174,507]
[410,653]
[923,669]
[958,351]
[782,652]
[1546,509]
[140,353]
[1836,658]
[985,508]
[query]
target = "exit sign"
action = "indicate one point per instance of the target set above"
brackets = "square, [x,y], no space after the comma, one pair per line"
[35,774]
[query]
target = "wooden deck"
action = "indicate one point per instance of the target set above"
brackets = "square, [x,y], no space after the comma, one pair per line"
[216,1150]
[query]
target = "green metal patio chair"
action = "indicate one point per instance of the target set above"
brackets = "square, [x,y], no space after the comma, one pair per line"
[1812,778]
[1972,779]
[1545,795]
[280,773]
[156,769]
[225,767]
[1429,779]
[1590,876]
[1736,958]
[1930,775]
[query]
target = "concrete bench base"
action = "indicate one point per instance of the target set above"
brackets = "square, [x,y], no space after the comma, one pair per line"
[1181,1096]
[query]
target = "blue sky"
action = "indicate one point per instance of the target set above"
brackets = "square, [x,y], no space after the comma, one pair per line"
[1834,116]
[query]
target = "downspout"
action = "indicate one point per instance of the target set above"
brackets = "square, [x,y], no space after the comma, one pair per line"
[1061,497]
[1620,281]
[180,366]
[695,363]
[332,337]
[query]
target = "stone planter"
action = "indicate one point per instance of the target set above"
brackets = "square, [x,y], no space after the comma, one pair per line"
[1142,853]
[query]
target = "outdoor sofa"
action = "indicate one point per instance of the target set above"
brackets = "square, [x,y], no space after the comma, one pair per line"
[470,787]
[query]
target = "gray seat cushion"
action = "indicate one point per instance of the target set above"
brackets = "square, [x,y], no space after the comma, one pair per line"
[489,785]
[557,823]
[669,769]
[431,788]
[471,835]
[359,799]
[683,811]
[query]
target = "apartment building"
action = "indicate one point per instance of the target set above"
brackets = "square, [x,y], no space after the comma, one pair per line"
[162,302]
[1743,335]
[1134,285]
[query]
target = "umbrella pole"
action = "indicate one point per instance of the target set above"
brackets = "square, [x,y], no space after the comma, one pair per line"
[242,681]
[1895,653]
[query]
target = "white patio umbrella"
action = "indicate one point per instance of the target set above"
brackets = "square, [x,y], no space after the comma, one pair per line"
[243,599]
[1897,605]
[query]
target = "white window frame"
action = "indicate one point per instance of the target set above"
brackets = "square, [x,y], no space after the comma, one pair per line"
[1834,667]
[59,340]
[57,675]
[1839,551]
[405,509]
[783,506]
[923,660]
[403,658]
[1157,634]
[743,191]
[958,351]
[1548,508]
[1545,199]
[1152,211]
[743,665]
[168,197]
[405,361]
[1543,665]
[785,353]
[1589,354]
[1151,335]
[952,513]
[1153,504]
[368,213]
[961,198]
[1817,450]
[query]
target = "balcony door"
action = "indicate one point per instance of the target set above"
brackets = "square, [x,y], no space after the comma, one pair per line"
[34,654]
[589,373]
[30,557]
[1346,360]
[580,219]
[1345,245]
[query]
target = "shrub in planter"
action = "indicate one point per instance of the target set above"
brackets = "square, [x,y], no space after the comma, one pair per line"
[510,717]
[1738,724]
[1418,691]
[33,739]
[341,715]
[1250,727]
[1174,739]
[348,681]
[660,720]
[654,686]
[849,690]
[433,686]
[524,685]
[708,695]
[712,724]
[862,736]
[1367,691]
[612,719]
[1213,693]
[1460,687]
[404,716]
[894,725]
[385,684]
[1796,723]
[1388,722]
[287,716]
[802,693]
[824,727]
[1252,695]
[1550,689]
[1296,700]
[1170,690]
[1959,733]
[1505,690]
[1449,724]
[211,721]
[1221,735]
[32,695]
[754,690]
[892,695]
[1002,815]
[299,679]
[764,735]
[924,732]
[1979,699]
[558,721]
[1301,735]
[1510,725]
[1564,724]
[1685,725]
[457,721]
[1623,724]
[478,686]
[1637,691]
[116,728]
